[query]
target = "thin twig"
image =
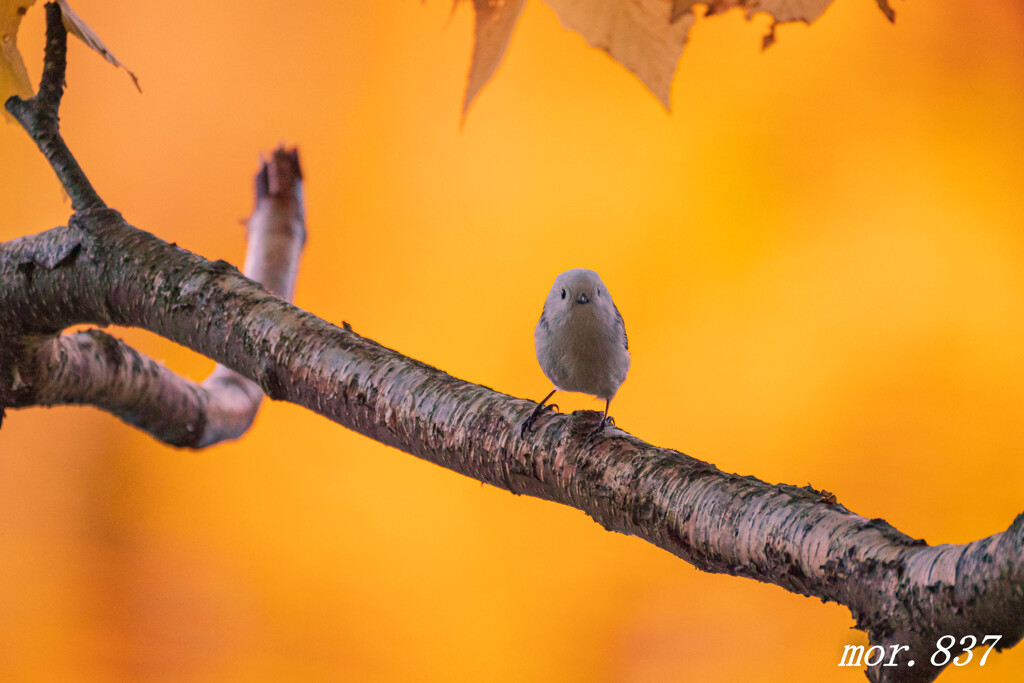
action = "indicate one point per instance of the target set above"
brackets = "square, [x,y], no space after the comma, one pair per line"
[40,116]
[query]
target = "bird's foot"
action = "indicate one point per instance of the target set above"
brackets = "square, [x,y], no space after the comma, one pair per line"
[605,421]
[528,424]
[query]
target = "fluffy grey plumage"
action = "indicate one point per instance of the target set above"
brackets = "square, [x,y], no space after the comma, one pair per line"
[581,340]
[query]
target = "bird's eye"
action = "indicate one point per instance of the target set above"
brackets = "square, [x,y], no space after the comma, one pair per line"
[563,293]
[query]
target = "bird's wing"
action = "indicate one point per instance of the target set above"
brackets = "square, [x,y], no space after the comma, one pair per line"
[621,326]
[543,322]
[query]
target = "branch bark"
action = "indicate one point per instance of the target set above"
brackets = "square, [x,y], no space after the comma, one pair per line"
[38,115]
[94,367]
[97,369]
[98,269]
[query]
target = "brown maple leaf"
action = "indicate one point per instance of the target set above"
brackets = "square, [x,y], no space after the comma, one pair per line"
[495,21]
[13,77]
[645,36]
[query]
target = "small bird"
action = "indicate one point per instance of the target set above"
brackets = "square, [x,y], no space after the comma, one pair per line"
[581,341]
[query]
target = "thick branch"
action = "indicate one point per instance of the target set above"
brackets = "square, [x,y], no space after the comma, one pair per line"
[97,369]
[898,588]
[99,269]
[276,235]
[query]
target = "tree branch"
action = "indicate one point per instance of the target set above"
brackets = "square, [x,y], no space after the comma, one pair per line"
[101,270]
[900,590]
[39,115]
[95,368]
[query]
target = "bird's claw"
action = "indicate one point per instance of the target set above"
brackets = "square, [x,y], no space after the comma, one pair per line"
[528,424]
[605,421]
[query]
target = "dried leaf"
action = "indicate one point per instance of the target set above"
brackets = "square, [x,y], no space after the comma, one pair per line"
[886,9]
[13,76]
[713,6]
[645,36]
[74,24]
[719,6]
[495,21]
[639,34]
[784,11]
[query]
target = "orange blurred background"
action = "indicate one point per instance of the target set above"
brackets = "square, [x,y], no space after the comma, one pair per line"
[818,256]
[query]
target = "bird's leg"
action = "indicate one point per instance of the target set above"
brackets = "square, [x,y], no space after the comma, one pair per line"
[605,420]
[536,411]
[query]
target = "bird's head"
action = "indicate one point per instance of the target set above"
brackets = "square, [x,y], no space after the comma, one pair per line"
[577,289]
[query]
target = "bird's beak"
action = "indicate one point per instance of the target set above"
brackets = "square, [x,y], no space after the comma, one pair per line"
[582,299]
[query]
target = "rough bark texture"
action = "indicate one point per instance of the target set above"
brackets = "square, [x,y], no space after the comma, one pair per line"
[95,368]
[101,270]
